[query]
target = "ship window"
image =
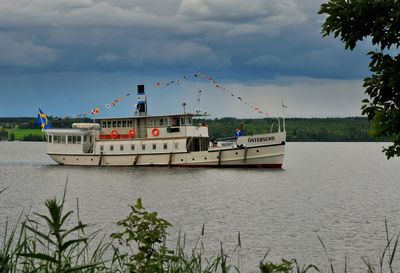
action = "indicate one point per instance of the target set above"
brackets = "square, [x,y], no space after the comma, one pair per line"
[121,148]
[85,138]
[104,124]
[101,148]
[114,124]
[119,124]
[130,123]
[165,146]
[111,148]
[124,123]
[49,138]
[154,146]
[161,121]
[176,145]
[132,147]
[175,121]
[55,139]
[188,121]
[108,124]
[183,121]
[143,146]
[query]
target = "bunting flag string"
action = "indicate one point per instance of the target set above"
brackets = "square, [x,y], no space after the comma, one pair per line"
[216,85]
[96,110]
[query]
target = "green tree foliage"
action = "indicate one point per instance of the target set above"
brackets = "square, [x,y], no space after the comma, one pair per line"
[32,137]
[12,137]
[298,129]
[3,134]
[355,20]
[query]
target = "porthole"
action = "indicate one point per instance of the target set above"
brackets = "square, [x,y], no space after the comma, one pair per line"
[217,157]
[236,153]
[63,158]
[192,158]
[77,159]
[257,151]
[182,159]
[91,159]
[205,158]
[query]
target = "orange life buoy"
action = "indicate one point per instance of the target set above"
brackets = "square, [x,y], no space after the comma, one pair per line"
[132,133]
[155,131]
[114,134]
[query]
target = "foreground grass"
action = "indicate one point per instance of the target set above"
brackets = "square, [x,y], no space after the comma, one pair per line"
[52,243]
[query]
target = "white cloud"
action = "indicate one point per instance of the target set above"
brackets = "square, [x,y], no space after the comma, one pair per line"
[89,13]
[305,97]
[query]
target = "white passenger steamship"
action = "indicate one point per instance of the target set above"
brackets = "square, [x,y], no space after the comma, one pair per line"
[169,140]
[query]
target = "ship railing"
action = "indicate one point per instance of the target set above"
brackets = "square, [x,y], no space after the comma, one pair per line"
[139,134]
[226,139]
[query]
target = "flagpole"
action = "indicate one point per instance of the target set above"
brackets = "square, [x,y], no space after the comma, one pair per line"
[94,134]
[283,116]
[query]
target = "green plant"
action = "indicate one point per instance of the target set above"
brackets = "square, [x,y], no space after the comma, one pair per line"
[285,266]
[53,250]
[148,233]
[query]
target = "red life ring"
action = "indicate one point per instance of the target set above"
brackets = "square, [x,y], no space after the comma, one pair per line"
[132,133]
[155,132]
[114,134]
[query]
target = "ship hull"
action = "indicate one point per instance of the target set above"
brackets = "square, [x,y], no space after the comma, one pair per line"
[263,156]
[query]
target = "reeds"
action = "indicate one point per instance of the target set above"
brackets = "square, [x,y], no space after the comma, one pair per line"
[51,243]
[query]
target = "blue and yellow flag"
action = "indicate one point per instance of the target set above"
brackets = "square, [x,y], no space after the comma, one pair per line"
[43,120]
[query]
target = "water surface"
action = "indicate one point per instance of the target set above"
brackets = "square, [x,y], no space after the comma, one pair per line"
[339,191]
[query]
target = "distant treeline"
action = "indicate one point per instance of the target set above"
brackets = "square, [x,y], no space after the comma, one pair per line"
[298,129]
[30,123]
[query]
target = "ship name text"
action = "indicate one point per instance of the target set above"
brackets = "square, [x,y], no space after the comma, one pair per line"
[261,139]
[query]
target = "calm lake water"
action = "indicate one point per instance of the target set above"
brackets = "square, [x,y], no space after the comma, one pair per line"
[340,191]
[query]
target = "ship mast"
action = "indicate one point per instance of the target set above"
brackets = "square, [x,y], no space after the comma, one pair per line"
[198,111]
[283,115]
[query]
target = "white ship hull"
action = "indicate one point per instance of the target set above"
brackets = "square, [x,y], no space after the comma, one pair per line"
[258,156]
[269,153]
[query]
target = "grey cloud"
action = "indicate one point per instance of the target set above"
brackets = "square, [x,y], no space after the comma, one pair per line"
[108,57]
[24,53]
[170,53]
[253,39]
[265,60]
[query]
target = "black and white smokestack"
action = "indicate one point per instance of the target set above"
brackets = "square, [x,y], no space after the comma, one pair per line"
[141,100]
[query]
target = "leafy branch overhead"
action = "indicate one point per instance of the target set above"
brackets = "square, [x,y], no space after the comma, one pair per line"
[355,20]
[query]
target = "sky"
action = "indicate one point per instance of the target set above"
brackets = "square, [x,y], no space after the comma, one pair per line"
[69,56]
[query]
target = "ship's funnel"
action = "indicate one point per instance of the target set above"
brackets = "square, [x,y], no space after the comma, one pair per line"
[141,105]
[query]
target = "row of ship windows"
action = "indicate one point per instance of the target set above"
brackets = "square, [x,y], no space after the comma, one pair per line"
[175,121]
[144,146]
[115,124]
[69,139]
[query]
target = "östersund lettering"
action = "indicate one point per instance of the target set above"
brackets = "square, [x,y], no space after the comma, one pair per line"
[260,139]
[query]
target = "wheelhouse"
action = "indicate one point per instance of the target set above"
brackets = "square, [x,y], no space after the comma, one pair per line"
[70,140]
